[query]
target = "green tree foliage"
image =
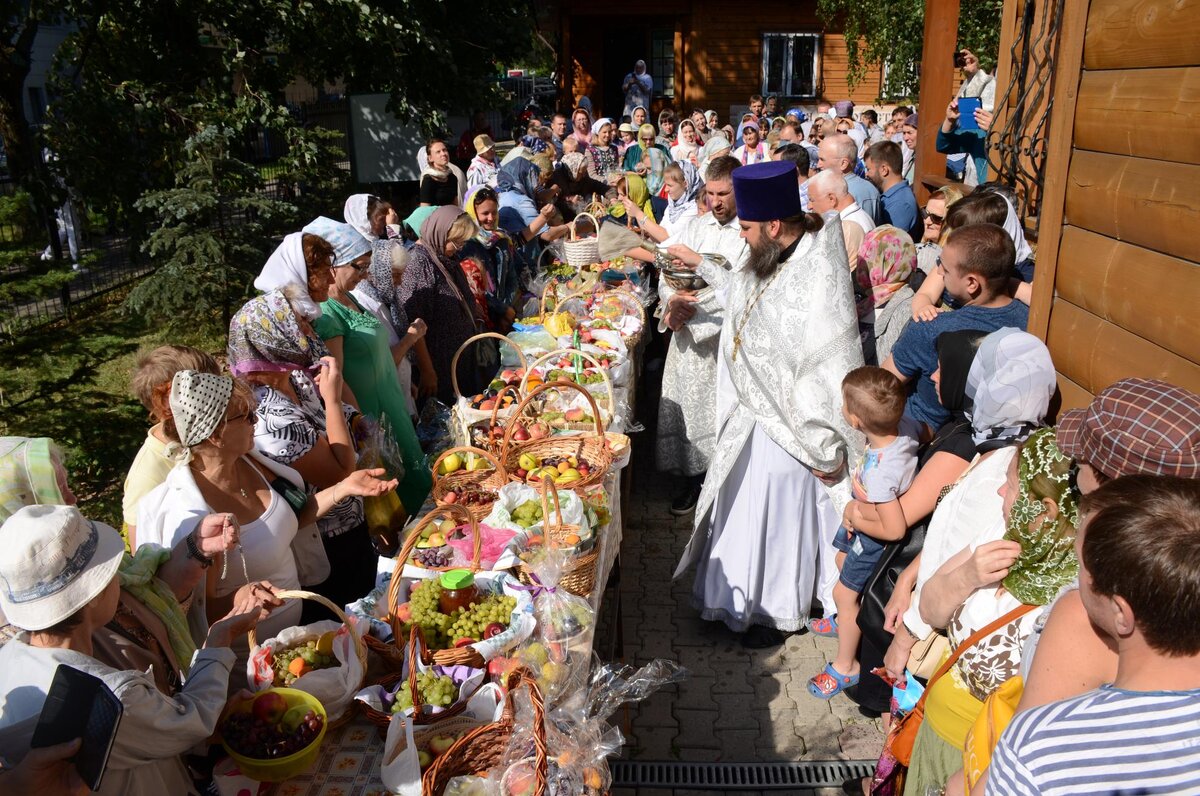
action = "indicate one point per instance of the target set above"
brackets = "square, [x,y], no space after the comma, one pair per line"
[211,233]
[891,33]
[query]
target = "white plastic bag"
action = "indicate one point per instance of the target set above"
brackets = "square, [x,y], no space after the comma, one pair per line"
[334,687]
[401,771]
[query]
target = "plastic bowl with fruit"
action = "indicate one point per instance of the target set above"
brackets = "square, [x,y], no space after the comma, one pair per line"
[275,736]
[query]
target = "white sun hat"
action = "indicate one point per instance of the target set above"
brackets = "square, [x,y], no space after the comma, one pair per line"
[53,562]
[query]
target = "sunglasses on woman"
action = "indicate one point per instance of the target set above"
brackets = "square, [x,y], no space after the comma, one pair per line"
[934,217]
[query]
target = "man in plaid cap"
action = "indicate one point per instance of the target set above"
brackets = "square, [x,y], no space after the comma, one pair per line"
[1134,427]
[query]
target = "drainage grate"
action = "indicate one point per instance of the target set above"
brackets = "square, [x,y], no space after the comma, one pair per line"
[738,776]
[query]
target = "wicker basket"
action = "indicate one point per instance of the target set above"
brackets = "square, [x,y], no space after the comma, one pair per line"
[579,576]
[593,447]
[360,646]
[633,306]
[582,252]
[465,656]
[483,479]
[468,413]
[483,747]
[381,719]
[608,411]
[596,208]
[495,444]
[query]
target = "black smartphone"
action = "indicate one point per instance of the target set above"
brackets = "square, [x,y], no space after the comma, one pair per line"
[960,59]
[80,705]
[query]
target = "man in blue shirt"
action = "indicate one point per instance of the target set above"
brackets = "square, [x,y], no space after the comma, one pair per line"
[839,153]
[975,264]
[898,203]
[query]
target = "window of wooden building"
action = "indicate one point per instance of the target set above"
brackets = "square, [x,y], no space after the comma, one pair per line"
[662,61]
[791,64]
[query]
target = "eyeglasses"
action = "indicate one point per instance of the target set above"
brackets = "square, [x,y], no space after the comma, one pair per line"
[361,269]
[933,217]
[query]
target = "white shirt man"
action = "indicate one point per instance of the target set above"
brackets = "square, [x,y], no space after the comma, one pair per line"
[827,192]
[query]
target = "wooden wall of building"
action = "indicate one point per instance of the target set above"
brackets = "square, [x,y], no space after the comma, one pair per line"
[1118,273]
[718,52]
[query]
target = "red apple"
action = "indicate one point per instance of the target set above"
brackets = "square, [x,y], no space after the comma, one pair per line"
[404,613]
[269,707]
[464,642]
[520,434]
[450,498]
[498,666]
[494,629]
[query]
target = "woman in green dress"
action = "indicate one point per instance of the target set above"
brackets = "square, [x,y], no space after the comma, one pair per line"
[360,343]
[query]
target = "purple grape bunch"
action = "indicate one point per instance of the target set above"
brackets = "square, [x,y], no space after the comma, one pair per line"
[433,557]
[255,738]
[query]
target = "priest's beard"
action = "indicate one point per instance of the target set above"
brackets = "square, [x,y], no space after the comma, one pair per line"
[764,258]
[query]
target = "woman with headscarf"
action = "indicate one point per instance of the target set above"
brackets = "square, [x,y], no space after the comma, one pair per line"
[752,150]
[300,265]
[581,127]
[149,632]
[688,148]
[210,422]
[442,183]
[526,203]
[301,421]
[648,158]
[361,345]
[885,261]
[435,286]
[604,159]
[683,189]
[576,188]
[632,189]
[1012,573]
[1008,391]
[378,293]
[715,147]
[495,249]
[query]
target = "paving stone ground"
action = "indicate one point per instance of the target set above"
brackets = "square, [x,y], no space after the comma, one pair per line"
[738,705]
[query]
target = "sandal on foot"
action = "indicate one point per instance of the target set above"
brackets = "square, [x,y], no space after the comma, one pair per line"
[825,626]
[830,682]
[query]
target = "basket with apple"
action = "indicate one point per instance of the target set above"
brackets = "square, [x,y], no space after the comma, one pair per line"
[480,406]
[462,476]
[578,576]
[590,449]
[327,659]
[591,372]
[483,748]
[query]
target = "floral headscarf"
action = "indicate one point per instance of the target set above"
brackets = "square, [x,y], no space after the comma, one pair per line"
[265,335]
[380,284]
[692,186]
[574,163]
[519,176]
[886,259]
[1047,561]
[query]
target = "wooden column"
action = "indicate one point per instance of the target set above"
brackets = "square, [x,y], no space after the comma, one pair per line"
[937,88]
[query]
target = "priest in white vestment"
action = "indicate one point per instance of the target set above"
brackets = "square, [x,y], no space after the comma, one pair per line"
[779,477]
[687,423]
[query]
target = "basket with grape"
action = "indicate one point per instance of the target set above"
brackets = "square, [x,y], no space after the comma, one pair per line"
[451,636]
[579,573]
[431,695]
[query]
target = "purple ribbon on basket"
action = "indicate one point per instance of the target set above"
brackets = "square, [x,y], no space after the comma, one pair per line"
[537,589]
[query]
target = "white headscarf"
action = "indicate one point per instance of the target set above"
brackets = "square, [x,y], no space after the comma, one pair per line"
[600,123]
[355,212]
[1012,225]
[1010,384]
[198,405]
[286,266]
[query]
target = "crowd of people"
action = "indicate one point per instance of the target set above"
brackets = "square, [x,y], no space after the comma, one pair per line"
[857,418]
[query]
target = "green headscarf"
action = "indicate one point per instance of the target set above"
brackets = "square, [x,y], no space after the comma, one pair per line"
[27,478]
[1047,561]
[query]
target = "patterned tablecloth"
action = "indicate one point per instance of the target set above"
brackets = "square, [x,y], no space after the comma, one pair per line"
[349,765]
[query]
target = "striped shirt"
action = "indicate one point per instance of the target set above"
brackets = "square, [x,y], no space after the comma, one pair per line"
[1107,741]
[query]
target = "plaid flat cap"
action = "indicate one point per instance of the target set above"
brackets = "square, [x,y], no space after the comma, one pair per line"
[1136,426]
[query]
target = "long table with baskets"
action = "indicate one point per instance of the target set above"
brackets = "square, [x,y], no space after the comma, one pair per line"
[352,755]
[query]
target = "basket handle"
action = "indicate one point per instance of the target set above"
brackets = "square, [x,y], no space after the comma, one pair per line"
[496,408]
[467,449]
[455,512]
[552,385]
[573,351]
[574,221]
[522,676]
[416,647]
[548,492]
[300,594]
[473,339]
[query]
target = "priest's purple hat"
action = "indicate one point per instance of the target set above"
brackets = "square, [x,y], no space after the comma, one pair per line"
[766,191]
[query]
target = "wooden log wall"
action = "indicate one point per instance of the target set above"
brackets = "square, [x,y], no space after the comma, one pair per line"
[1118,272]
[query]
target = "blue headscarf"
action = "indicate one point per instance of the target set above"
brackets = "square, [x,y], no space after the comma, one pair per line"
[347,242]
[519,176]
